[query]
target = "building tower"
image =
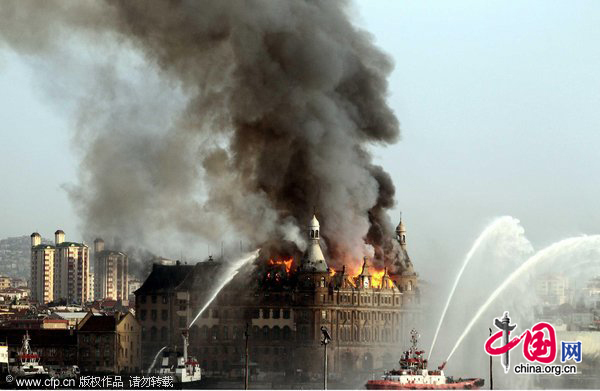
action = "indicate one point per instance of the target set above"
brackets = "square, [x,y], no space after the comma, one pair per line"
[110,273]
[364,278]
[71,270]
[42,270]
[401,234]
[404,274]
[313,259]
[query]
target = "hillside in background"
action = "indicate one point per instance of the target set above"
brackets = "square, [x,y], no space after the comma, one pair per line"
[15,256]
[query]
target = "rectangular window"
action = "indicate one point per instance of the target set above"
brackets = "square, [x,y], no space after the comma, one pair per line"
[276,313]
[165,299]
[286,314]
[182,321]
[153,315]
[164,315]
[143,315]
[153,299]
[266,313]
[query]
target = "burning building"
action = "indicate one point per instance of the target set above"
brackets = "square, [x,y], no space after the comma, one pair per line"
[284,304]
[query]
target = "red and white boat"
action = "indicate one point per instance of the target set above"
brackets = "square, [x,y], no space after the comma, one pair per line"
[29,362]
[414,375]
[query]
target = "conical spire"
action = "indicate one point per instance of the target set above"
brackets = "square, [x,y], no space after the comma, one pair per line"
[313,259]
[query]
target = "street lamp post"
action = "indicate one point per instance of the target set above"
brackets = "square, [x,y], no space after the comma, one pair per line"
[325,341]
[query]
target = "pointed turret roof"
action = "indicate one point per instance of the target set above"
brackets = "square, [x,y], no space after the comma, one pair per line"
[313,259]
[365,268]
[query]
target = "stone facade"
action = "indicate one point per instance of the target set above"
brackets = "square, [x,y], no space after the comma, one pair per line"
[109,343]
[283,309]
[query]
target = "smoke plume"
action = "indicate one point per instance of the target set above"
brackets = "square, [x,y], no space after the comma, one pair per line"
[211,118]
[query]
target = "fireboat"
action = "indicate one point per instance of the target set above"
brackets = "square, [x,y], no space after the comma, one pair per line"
[186,370]
[29,362]
[414,375]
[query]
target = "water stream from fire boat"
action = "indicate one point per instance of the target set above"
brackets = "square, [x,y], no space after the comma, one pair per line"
[588,245]
[230,273]
[155,358]
[503,223]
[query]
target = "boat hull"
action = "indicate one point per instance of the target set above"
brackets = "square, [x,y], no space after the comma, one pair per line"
[469,384]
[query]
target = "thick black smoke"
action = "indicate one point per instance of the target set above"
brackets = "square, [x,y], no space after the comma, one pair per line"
[275,106]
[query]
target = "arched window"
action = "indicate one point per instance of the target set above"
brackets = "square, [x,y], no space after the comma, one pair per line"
[204,332]
[312,234]
[215,332]
[265,332]
[317,234]
[409,287]
[255,331]
[163,334]
[153,334]
[322,282]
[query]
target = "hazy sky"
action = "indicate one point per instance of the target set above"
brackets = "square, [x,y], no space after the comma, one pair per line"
[499,109]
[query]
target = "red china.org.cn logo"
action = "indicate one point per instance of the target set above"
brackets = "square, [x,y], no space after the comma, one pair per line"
[539,346]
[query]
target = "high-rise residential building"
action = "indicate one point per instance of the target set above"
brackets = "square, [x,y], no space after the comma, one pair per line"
[110,273]
[42,270]
[60,272]
[92,285]
[71,270]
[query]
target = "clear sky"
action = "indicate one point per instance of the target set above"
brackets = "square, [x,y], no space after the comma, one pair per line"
[499,109]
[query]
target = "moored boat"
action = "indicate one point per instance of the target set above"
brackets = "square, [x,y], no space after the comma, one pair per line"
[29,362]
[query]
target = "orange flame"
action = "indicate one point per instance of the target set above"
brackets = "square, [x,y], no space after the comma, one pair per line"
[377,278]
[376,275]
[285,262]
